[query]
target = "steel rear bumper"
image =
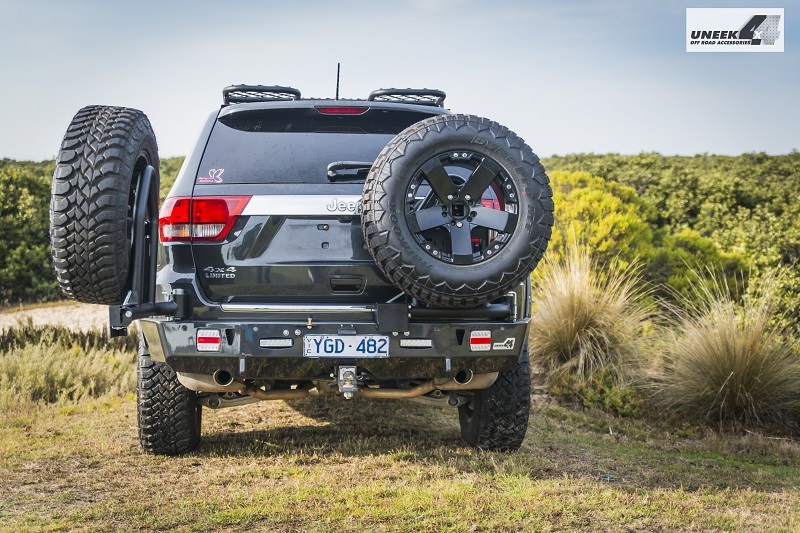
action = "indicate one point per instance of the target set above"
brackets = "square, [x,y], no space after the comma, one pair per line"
[241,354]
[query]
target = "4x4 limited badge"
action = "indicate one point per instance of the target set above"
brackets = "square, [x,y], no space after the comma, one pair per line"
[211,272]
[338,206]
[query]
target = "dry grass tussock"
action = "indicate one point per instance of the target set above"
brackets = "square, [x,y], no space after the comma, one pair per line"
[53,364]
[587,319]
[731,362]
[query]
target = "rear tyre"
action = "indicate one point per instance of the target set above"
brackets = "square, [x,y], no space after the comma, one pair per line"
[497,418]
[91,207]
[457,210]
[169,414]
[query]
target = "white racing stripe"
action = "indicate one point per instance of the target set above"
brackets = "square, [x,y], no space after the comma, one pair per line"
[304,205]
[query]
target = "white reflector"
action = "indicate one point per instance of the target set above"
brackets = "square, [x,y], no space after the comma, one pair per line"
[416,343]
[275,343]
[208,340]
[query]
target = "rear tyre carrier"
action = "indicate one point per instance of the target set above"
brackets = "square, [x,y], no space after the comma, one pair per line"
[457,210]
[102,155]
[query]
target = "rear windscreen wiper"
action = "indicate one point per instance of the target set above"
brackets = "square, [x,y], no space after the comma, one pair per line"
[348,170]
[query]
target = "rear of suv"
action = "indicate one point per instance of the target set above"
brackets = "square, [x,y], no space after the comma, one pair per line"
[376,248]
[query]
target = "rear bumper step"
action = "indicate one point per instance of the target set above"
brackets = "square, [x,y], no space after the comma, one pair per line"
[243,354]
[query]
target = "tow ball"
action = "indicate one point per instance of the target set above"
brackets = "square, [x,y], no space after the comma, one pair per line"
[347,381]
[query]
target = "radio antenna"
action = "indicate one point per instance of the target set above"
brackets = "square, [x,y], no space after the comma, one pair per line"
[338,71]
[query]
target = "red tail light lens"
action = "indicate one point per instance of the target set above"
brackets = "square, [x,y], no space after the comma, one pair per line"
[173,220]
[200,219]
[341,110]
[213,218]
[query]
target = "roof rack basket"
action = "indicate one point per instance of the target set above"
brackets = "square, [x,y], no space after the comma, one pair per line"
[239,94]
[432,97]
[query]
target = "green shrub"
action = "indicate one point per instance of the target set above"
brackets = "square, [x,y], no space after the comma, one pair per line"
[168,171]
[601,391]
[609,219]
[746,205]
[26,272]
[686,251]
[731,361]
[588,319]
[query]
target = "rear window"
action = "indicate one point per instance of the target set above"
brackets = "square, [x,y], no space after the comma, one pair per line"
[296,145]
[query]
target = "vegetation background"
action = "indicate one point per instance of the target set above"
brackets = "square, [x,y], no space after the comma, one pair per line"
[737,214]
[672,397]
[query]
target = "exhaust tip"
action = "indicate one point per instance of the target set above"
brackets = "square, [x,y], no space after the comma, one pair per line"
[463,377]
[223,378]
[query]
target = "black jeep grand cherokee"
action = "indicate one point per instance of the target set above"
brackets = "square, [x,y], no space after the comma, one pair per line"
[378,248]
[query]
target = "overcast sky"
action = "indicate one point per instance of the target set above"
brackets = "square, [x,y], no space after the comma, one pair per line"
[569,76]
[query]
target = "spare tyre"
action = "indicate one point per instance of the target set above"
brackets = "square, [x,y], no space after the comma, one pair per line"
[102,156]
[457,210]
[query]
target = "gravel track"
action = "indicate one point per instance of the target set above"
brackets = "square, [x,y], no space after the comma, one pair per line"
[70,314]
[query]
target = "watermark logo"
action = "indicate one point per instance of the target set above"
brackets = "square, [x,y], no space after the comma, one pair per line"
[734,29]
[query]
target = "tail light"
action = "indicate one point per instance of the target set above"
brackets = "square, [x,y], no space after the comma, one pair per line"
[480,340]
[199,219]
[208,340]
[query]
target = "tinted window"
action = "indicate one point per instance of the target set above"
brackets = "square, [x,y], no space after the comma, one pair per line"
[309,120]
[252,146]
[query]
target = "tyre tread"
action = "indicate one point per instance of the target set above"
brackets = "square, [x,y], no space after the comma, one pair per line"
[399,267]
[167,411]
[88,208]
[505,408]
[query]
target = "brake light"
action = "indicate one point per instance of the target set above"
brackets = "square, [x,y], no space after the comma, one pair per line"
[208,340]
[199,219]
[343,110]
[480,340]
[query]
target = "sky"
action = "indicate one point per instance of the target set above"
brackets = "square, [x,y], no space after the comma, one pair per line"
[568,76]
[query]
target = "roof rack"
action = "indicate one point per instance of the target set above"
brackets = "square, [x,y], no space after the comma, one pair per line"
[238,94]
[431,97]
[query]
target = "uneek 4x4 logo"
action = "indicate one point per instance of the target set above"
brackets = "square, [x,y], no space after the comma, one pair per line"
[734,29]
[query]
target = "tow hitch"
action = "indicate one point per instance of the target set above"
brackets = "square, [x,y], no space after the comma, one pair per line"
[347,381]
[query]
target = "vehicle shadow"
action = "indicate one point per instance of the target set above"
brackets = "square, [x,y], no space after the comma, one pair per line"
[331,430]
[333,426]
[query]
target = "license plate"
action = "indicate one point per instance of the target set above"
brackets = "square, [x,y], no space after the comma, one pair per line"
[346,346]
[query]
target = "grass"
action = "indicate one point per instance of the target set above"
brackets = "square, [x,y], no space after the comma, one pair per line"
[732,362]
[71,461]
[327,464]
[53,364]
[587,320]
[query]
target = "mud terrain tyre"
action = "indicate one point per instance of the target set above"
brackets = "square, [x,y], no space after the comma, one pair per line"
[169,414]
[457,210]
[497,418]
[91,207]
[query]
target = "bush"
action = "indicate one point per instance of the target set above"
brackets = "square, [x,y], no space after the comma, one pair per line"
[26,271]
[730,361]
[686,251]
[601,391]
[52,364]
[608,218]
[746,205]
[588,320]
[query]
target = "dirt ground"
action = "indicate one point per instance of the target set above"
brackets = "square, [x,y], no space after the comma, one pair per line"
[70,314]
